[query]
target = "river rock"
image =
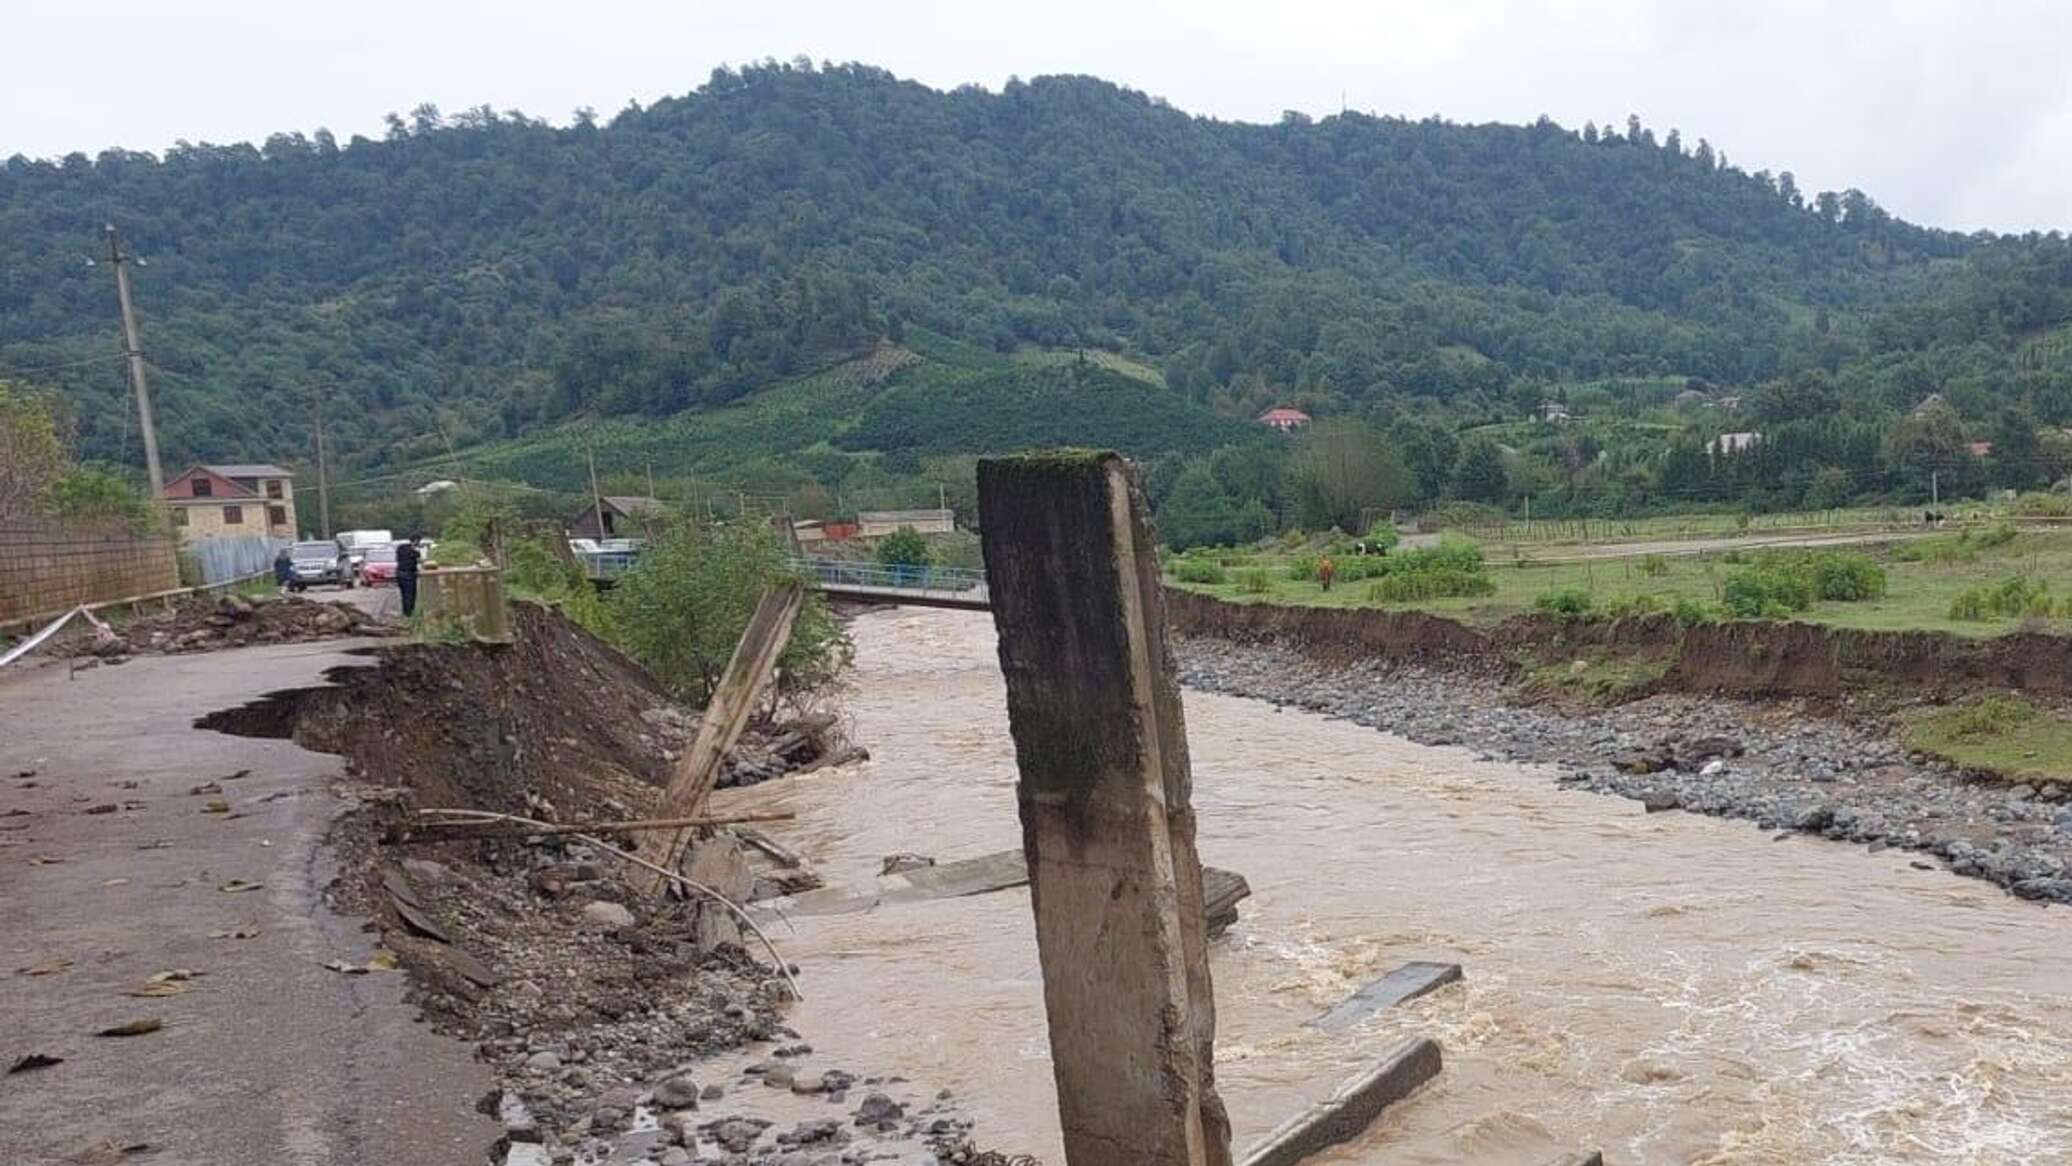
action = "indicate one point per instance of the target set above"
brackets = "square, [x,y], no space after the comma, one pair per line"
[677,1093]
[608,915]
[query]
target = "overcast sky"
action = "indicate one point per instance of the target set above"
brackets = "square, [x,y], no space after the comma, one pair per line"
[1952,114]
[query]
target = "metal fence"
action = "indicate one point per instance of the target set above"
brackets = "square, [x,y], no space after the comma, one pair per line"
[222,559]
[845,573]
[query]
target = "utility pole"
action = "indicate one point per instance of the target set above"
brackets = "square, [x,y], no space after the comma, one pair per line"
[596,499]
[323,475]
[135,351]
[651,477]
[1935,487]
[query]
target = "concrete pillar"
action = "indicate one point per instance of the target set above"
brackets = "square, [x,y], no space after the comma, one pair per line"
[1107,820]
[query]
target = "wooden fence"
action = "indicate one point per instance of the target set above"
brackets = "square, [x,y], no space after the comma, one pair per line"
[47,568]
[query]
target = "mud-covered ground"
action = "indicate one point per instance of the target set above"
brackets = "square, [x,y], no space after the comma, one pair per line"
[621,1027]
[1834,769]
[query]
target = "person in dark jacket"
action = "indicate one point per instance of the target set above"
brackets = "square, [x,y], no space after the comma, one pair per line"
[283,569]
[406,574]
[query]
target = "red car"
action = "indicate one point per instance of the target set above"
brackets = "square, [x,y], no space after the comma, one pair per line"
[379,566]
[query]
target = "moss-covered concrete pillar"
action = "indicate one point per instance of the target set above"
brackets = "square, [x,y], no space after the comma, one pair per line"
[1107,820]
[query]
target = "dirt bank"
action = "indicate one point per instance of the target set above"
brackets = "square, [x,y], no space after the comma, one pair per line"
[618,1025]
[1829,764]
[1749,659]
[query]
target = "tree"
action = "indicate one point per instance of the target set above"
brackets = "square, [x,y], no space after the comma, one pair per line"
[1481,475]
[32,457]
[681,608]
[1344,475]
[1254,522]
[1196,511]
[904,548]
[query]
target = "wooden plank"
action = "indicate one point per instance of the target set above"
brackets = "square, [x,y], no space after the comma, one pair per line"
[726,715]
[1408,982]
[1349,1111]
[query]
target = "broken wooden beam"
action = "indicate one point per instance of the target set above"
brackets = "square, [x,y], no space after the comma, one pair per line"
[1106,804]
[1349,1111]
[458,829]
[726,714]
[1408,982]
[1593,1158]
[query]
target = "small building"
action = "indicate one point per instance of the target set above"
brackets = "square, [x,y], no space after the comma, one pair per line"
[879,523]
[1555,412]
[1982,449]
[1727,443]
[439,486]
[236,499]
[1688,398]
[623,516]
[1284,419]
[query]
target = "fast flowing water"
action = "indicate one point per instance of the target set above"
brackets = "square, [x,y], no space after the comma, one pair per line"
[1670,988]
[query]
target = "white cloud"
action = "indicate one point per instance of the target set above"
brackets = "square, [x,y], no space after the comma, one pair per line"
[1949,113]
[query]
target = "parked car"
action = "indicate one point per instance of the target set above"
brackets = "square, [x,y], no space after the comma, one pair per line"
[379,566]
[356,543]
[317,562]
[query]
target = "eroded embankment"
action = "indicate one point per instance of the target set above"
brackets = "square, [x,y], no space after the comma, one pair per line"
[621,1026]
[1829,764]
[1744,658]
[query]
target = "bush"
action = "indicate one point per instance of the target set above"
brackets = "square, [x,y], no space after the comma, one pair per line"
[1253,581]
[2042,505]
[2014,597]
[1434,584]
[1452,569]
[904,548]
[1354,568]
[1654,566]
[1767,591]
[1692,613]
[1633,605]
[1990,718]
[1200,571]
[1382,534]
[1303,569]
[1567,603]
[1845,576]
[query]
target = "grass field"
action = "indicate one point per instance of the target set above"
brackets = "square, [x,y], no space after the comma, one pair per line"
[2004,734]
[1918,593]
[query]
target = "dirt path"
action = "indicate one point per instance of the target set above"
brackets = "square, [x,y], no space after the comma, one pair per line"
[270,1058]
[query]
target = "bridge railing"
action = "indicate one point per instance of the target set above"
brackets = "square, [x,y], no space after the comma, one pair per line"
[849,573]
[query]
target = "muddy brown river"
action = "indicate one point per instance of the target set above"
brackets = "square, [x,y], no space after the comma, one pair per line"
[1670,988]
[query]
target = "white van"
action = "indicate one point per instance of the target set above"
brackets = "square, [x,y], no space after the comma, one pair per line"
[356,543]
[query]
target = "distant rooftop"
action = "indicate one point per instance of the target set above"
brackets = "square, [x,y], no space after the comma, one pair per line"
[253,470]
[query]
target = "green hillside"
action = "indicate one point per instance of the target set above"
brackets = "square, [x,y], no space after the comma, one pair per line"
[479,279]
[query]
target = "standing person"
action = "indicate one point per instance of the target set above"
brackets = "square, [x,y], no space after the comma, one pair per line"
[406,574]
[1326,571]
[283,569]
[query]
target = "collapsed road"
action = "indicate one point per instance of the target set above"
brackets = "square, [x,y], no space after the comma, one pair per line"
[1674,989]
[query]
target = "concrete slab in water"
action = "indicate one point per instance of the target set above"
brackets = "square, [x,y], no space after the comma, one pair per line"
[1408,982]
[1349,1111]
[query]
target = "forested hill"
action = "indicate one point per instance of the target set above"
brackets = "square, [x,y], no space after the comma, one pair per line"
[477,276]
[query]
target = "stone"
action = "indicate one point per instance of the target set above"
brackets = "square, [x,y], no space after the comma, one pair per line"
[677,1093]
[736,1135]
[527,1154]
[1658,801]
[543,1062]
[877,1109]
[608,915]
[1713,769]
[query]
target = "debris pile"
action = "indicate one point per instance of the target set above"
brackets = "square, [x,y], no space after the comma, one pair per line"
[201,624]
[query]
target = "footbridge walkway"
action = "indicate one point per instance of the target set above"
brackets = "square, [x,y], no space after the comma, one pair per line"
[955,587]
